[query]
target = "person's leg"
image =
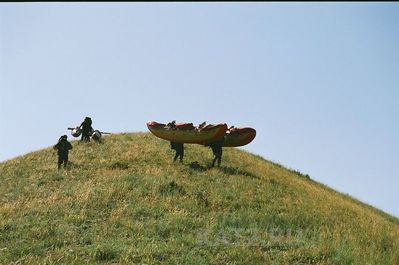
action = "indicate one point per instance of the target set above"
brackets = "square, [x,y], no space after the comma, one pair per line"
[85,136]
[214,160]
[59,162]
[220,157]
[65,161]
[215,156]
[176,155]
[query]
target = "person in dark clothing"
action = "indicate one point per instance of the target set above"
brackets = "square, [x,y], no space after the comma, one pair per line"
[63,147]
[87,130]
[179,147]
[171,125]
[217,151]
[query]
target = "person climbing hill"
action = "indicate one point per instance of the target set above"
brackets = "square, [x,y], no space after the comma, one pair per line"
[63,147]
[87,130]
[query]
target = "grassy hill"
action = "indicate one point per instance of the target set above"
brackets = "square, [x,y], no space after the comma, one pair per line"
[126,202]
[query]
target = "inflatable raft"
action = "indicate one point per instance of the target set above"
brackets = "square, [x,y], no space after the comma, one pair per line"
[187,133]
[239,137]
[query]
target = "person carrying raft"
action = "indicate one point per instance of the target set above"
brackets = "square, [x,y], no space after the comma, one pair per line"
[179,147]
[171,125]
[217,151]
[63,147]
[87,130]
[201,126]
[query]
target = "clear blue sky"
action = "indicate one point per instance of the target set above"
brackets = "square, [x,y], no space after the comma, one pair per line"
[319,82]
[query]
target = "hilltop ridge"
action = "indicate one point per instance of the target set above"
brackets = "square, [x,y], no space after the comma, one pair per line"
[124,201]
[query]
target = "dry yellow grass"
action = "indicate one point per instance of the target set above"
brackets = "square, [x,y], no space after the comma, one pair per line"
[126,202]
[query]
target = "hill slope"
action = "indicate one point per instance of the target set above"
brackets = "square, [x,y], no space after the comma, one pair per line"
[125,201]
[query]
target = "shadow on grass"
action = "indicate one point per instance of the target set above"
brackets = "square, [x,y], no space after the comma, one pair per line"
[236,171]
[171,188]
[197,166]
[227,170]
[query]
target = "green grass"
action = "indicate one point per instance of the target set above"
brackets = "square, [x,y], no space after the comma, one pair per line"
[126,202]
